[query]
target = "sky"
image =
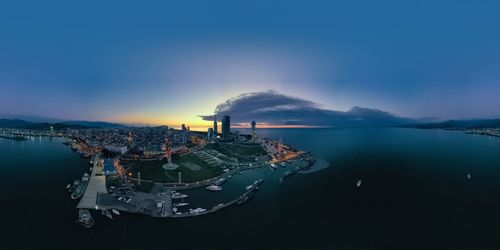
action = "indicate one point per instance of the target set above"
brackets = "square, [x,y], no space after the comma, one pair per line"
[168,62]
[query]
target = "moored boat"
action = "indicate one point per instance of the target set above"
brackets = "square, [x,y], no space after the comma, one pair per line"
[85,219]
[214,188]
[81,187]
[177,195]
[180,204]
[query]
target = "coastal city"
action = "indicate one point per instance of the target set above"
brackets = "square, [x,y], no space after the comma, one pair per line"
[149,170]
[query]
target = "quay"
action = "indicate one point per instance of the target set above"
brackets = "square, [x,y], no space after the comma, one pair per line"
[218,207]
[97,185]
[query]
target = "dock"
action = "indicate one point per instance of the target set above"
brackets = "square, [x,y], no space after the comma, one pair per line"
[97,184]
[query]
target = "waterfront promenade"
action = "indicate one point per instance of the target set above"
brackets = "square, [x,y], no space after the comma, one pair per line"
[97,184]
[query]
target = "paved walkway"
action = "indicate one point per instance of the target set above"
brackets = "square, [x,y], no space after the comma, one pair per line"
[97,184]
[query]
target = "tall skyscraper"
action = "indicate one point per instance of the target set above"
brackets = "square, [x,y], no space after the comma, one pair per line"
[210,134]
[215,134]
[226,127]
[254,124]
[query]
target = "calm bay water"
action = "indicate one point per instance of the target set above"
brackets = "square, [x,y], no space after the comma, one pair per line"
[415,194]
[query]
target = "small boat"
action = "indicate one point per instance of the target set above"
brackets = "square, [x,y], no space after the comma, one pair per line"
[219,181]
[255,184]
[73,187]
[174,209]
[180,204]
[115,211]
[107,214]
[176,195]
[68,186]
[468,176]
[225,170]
[85,219]
[178,213]
[358,184]
[214,188]
[90,169]
[197,210]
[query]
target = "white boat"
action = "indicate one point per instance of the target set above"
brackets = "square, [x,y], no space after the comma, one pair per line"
[180,204]
[468,176]
[178,213]
[174,209]
[358,184]
[214,188]
[176,195]
[254,184]
[68,186]
[115,211]
[220,181]
[225,170]
[197,210]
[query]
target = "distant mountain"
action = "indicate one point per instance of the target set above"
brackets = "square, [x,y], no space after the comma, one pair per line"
[22,124]
[93,124]
[458,124]
[14,123]
[30,118]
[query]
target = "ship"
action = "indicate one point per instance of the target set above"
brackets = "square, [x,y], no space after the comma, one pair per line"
[219,181]
[180,204]
[176,195]
[214,188]
[73,187]
[81,187]
[85,219]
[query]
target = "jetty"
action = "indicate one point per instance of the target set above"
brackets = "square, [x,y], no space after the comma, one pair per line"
[96,185]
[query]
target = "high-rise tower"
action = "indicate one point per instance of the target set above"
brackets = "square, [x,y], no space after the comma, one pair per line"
[254,124]
[215,134]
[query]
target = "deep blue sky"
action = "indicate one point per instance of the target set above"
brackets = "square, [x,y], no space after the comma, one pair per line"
[169,61]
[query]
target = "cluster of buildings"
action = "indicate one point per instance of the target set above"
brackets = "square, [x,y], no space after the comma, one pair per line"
[144,142]
[213,134]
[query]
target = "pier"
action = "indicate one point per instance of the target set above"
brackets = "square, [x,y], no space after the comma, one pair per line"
[97,184]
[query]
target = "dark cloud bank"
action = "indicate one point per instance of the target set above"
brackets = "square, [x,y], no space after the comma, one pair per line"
[279,109]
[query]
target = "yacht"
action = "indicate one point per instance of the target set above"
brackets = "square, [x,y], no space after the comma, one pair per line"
[73,187]
[255,184]
[181,204]
[176,195]
[214,188]
[197,210]
[219,181]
